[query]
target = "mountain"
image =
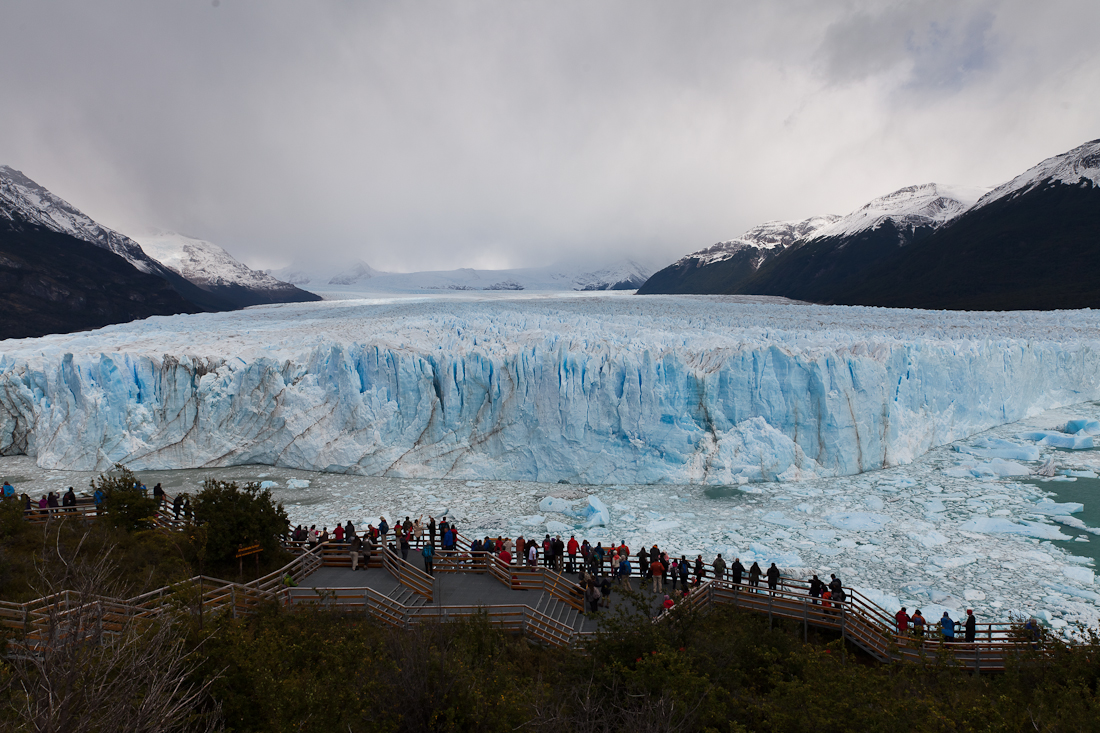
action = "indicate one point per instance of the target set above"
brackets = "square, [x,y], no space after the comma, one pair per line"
[355,277]
[53,282]
[214,270]
[835,258]
[1031,243]
[732,263]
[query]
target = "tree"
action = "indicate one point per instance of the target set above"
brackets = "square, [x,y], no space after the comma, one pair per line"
[235,516]
[125,505]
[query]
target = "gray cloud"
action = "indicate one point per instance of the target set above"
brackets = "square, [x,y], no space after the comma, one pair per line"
[485,133]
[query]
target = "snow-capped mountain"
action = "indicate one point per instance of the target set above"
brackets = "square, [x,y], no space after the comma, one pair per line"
[931,246]
[341,280]
[1077,167]
[769,236]
[912,207]
[213,269]
[21,199]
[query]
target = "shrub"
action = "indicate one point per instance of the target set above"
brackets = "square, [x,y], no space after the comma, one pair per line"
[123,502]
[234,516]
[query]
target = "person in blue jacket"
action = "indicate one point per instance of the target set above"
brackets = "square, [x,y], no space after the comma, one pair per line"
[947,625]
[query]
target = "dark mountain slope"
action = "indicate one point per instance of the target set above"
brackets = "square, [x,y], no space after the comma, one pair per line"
[1036,250]
[55,283]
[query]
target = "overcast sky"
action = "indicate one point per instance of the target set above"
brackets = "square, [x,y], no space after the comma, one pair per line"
[432,135]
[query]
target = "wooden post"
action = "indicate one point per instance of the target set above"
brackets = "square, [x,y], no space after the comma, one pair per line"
[805,622]
[233,599]
[843,637]
[771,597]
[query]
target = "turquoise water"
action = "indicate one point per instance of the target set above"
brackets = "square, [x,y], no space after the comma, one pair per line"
[1084,491]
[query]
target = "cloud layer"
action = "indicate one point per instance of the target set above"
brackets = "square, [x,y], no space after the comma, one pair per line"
[421,135]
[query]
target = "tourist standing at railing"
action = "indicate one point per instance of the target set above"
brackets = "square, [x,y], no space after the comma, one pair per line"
[586,554]
[737,571]
[158,495]
[383,529]
[773,577]
[902,619]
[657,572]
[407,525]
[349,530]
[428,553]
[700,570]
[816,586]
[354,547]
[177,505]
[532,554]
[918,624]
[448,539]
[685,571]
[97,498]
[624,572]
[719,566]
[970,627]
[521,550]
[69,500]
[835,585]
[571,548]
[615,562]
[405,545]
[674,572]
[418,530]
[559,554]
[754,575]
[9,491]
[338,532]
[598,555]
[947,626]
[643,565]
[431,530]
[547,550]
[314,536]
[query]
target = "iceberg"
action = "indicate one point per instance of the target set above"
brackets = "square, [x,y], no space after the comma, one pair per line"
[1000,448]
[587,390]
[1083,425]
[1058,440]
[859,521]
[998,525]
[1053,508]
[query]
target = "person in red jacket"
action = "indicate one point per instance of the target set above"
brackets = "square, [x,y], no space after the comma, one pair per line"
[657,570]
[572,548]
[668,603]
[903,621]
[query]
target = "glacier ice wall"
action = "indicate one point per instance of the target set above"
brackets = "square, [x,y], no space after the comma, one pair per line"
[597,391]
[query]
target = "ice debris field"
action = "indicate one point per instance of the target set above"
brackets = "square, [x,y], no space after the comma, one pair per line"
[913,453]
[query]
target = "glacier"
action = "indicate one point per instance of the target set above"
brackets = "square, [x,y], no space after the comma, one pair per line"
[582,389]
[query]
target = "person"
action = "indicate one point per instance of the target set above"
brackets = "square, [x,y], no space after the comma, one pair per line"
[835,584]
[428,553]
[547,550]
[754,575]
[366,550]
[505,556]
[947,626]
[44,505]
[559,554]
[719,567]
[98,497]
[657,572]
[902,619]
[971,626]
[918,623]
[349,530]
[598,554]
[314,536]
[685,570]
[616,561]
[431,529]
[158,494]
[1031,632]
[405,545]
[9,490]
[773,577]
[571,548]
[69,500]
[643,564]
[586,555]
[177,504]
[700,571]
[383,528]
[624,572]
[826,598]
[51,501]
[353,550]
[448,539]
[324,534]
[667,604]
[736,571]
[407,526]
[418,531]
[816,586]
[338,532]
[592,595]
[186,508]
[605,592]
[674,571]
[532,554]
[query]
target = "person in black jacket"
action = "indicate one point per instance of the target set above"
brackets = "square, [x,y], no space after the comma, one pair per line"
[737,570]
[69,500]
[835,585]
[773,577]
[754,575]
[971,626]
[816,586]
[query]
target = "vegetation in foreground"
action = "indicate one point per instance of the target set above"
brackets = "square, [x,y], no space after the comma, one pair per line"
[315,670]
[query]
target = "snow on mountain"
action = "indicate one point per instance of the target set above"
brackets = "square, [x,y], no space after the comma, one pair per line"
[772,235]
[359,277]
[925,205]
[23,199]
[588,389]
[1080,166]
[204,263]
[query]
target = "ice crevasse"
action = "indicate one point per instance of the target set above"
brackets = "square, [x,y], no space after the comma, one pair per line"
[583,392]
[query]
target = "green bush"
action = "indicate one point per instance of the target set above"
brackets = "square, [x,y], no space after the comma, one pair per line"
[123,502]
[234,516]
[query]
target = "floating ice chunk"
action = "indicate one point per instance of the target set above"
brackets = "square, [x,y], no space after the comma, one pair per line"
[269,484]
[820,535]
[596,513]
[628,518]
[875,504]
[780,519]
[297,483]
[949,563]
[971,594]
[1081,575]
[1038,555]
[1000,448]
[556,505]
[1069,590]
[995,468]
[847,544]
[858,521]
[998,525]
[805,508]
[1058,440]
[934,506]
[1052,508]
[558,528]
[765,554]
[534,519]
[1079,474]
[932,539]
[662,525]
[1089,427]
